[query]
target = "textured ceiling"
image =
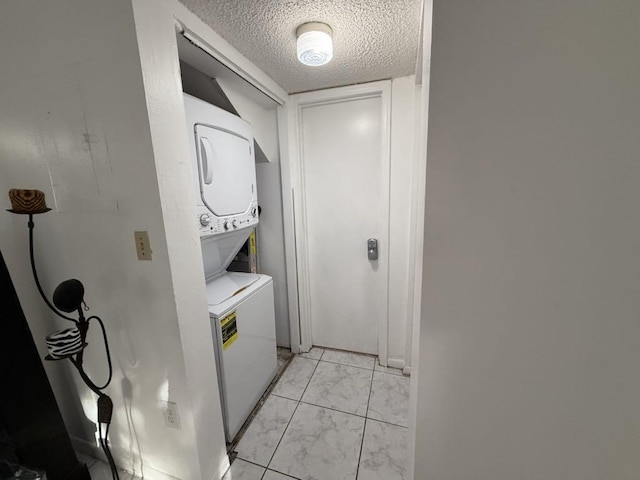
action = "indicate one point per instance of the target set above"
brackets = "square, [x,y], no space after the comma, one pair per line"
[373,39]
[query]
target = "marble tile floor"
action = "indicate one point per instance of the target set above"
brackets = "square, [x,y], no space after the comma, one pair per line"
[332,415]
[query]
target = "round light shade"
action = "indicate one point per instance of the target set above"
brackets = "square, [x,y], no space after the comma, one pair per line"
[315,45]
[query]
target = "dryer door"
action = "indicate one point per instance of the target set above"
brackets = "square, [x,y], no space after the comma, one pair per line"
[226,170]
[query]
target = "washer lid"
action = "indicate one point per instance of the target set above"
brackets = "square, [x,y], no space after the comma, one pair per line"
[225,169]
[227,285]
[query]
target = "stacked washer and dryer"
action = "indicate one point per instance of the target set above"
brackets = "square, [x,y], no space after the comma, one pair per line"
[241,305]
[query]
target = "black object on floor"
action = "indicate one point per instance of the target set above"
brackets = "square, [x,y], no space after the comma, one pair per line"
[29,412]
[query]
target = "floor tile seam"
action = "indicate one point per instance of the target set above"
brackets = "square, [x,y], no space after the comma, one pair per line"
[263,399]
[309,381]
[282,436]
[266,469]
[277,471]
[333,409]
[284,432]
[305,388]
[345,365]
[286,398]
[373,375]
[365,427]
[350,352]
[250,461]
[387,423]
[310,403]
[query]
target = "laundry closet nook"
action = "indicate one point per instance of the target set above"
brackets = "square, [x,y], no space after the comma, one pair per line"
[237,194]
[276,219]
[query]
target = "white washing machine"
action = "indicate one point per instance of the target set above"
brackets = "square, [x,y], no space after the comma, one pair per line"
[241,305]
[244,330]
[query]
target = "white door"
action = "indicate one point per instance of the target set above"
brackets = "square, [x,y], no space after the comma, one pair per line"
[343,138]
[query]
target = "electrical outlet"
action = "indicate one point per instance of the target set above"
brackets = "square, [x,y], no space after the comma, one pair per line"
[143,247]
[171,415]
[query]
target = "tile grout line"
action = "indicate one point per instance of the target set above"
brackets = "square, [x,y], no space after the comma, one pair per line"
[282,436]
[349,365]
[352,414]
[373,374]
[309,381]
[388,423]
[300,401]
[350,352]
[283,474]
[392,388]
[332,409]
[364,429]
[282,396]
[322,354]
[265,469]
[292,415]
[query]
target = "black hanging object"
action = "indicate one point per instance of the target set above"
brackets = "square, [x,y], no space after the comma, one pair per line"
[69,295]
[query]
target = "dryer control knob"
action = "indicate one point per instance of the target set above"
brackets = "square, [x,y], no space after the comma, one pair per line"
[235,224]
[254,211]
[205,219]
[226,225]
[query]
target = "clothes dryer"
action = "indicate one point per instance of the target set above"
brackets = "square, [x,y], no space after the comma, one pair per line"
[223,161]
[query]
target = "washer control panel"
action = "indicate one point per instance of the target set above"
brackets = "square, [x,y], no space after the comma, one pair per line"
[209,224]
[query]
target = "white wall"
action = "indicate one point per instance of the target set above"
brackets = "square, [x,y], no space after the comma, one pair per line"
[529,337]
[69,69]
[155,23]
[271,256]
[402,168]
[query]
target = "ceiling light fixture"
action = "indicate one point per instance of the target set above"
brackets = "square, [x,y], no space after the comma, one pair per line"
[315,45]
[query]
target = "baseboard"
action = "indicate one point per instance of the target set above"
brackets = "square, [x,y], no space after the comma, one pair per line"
[396,363]
[89,448]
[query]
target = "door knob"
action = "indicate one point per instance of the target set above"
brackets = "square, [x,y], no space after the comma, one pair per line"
[372,249]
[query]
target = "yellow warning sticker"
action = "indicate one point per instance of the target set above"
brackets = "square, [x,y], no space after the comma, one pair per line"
[229,330]
[252,252]
[252,242]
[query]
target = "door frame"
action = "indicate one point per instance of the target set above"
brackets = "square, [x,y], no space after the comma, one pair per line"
[295,206]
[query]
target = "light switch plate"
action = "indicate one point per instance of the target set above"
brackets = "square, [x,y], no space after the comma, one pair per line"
[143,247]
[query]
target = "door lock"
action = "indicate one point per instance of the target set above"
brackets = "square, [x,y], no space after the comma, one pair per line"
[372,249]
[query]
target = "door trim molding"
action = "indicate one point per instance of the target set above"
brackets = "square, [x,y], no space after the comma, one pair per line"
[293,190]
